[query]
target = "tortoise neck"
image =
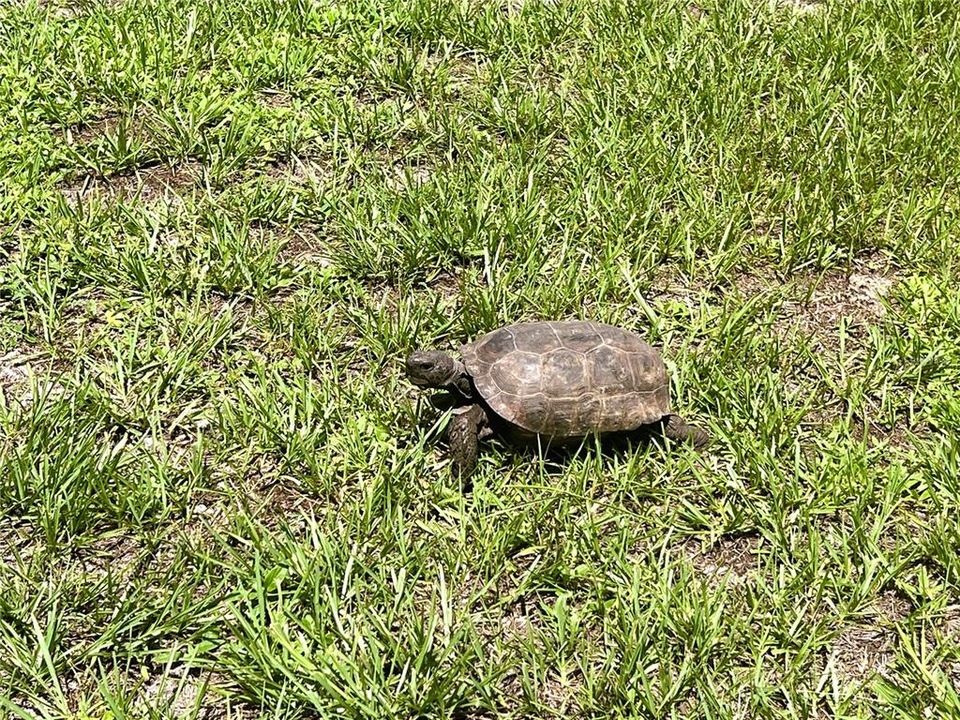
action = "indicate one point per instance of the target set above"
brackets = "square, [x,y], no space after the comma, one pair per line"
[459,382]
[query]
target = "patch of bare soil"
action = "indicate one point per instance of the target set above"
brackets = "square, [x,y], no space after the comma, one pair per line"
[448,286]
[515,7]
[558,687]
[90,131]
[117,555]
[306,246]
[280,503]
[17,541]
[948,633]
[14,369]
[856,296]
[148,185]
[63,10]
[178,696]
[517,621]
[672,286]
[181,693]
[68,9]
[559,692]
[801,7]
[465,68]
[276,98]
[813,307]
[816,304]
[464,76]
[833,313]
[951,623]
[865,649]
[170,692]
[403,176]
[301,171]
[729,559]
[517,615]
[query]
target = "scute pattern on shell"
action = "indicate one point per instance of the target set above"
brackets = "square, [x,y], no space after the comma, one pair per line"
[569,379]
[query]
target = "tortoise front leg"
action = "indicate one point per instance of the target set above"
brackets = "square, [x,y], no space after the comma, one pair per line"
[677,430]
[466,426]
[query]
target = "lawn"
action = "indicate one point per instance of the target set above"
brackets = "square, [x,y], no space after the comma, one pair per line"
[224,224]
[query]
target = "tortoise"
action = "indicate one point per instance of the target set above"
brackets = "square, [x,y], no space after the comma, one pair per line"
[553,382]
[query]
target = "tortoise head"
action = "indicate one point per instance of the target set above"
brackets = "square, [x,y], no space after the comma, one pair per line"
[432,369]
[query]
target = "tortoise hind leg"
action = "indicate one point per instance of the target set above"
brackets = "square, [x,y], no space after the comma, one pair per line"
[466,428]
[676,429]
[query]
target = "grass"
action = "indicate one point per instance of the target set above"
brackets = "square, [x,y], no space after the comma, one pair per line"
[224,224]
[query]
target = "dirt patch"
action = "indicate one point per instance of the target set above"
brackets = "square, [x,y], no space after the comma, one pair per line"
[802,306]
[856,296]
[864,650]
[951,623]
[465,68]
[91,130]
[513,611]
[860,653]
[117,555]
[405,176]
[559,692]
[18,541]
[669,285]
[517,622]
[896,436]
[448,285]
[813,307]
[174,692]
[760,280]
[947,633]
[276,99]
[147,185]
[558,687]
[815,304]
[301,171]
[279,502]
[15,368]
[306,246]
[801,7]
[262,489]
[62,10]
[180,693]
[515,7]
[729,559]
[69,9]
[176,696]
[18,366]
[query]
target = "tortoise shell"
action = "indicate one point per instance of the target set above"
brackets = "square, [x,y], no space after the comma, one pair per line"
[569,379]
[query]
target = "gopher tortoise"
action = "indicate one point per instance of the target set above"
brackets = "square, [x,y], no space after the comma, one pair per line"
[552,382]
